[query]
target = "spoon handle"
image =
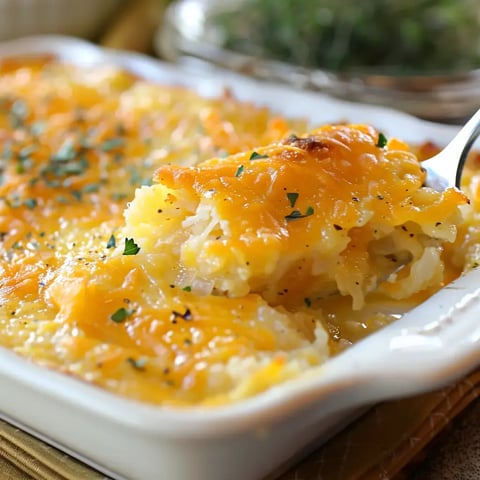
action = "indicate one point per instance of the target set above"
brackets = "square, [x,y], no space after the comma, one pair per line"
[448,164]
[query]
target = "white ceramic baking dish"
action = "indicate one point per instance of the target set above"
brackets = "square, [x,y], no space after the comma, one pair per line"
[430,346]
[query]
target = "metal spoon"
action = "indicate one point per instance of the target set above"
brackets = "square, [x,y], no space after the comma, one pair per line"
[445,169]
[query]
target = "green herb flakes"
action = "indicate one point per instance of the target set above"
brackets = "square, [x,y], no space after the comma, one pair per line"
[382,141]
[18,113]
[111,242]
[37,128]
[120,315]
[309,211]
[296,214]
[239,171]
[137,364]
[257,156]
[75,168]
[112,144]
[117,196]
[292,198]
[131,248]
[62,199]
[91,188]
[25,152]
[65,153]
[30,203]
[188,288]
[135,176]
[7,152]
[77,195]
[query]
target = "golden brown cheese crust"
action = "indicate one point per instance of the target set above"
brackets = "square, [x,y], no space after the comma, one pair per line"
[297,219]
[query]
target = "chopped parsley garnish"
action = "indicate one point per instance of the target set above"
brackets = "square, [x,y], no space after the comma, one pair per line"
[382,141]
[13,202]
[131,248]
[91,188]
[239,171]
[30,203]
[296,214]
[75,168]
[38,127]
[25,152]
[24,160]
[188,288]
[7,150]
[116,196]
[18,113]
[256,156]
[65,153]
[120,315]
[137,364]
[111,242]
[21,167]
[77,194]
[135,176]
[292,198]
[112,144]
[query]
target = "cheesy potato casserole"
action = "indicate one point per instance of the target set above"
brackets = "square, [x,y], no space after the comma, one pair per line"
[180,250]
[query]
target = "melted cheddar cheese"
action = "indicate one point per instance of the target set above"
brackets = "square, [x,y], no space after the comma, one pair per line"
[299,219]
[212,284]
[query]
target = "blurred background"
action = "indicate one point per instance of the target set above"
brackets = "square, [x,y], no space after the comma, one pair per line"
[420,56]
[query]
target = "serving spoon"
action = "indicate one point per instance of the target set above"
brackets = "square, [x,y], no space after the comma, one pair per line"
[445,169]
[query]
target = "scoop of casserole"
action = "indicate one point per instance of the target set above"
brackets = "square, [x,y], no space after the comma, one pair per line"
[341,209]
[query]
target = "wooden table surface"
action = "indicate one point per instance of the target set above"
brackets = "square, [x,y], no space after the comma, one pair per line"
[455,454]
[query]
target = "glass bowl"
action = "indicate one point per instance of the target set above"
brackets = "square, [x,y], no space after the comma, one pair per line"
[191,31]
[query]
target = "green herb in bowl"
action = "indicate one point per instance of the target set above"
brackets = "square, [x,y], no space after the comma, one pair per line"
[407,37]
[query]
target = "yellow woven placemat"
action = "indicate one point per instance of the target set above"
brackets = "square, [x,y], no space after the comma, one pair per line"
[23,457]
[377,446]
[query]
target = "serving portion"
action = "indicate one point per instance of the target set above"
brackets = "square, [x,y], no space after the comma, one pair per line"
[259,251]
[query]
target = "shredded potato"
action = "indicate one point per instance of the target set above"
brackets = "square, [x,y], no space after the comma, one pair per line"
[302,218]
